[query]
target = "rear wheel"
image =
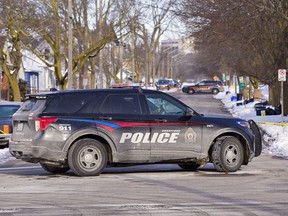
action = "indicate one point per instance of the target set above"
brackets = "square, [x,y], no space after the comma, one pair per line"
[189,166]
[54,169]
[227,154]
[191,91]
[87,157]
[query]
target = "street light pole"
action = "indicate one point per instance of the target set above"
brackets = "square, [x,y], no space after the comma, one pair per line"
[173,65]
[169,68]
[70,78]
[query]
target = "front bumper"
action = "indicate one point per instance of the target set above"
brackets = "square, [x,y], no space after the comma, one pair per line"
[257,138]
[4,139]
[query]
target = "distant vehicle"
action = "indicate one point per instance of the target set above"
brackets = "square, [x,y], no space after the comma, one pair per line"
[126,85]
[167,84]
[206,86]
[164,84]
[7,109]
[187,83]
[176,83]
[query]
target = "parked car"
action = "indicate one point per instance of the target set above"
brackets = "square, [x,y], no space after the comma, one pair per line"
[7,109]
[187,83]
[176,83]
[207,86]
[167,84]
[164,84]
[85,130]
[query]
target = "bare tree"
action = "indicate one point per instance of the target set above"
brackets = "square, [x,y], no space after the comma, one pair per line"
[249,37]
[148,22]
[14,14]
[54,32]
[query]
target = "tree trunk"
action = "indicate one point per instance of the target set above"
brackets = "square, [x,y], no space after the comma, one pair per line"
[15,88]
[274,92]
[13,81]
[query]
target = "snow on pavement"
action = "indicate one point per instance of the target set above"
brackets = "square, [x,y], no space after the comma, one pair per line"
[274,127]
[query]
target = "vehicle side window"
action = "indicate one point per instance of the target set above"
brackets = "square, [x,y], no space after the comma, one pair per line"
[121,104]
[163,105]
[202,84]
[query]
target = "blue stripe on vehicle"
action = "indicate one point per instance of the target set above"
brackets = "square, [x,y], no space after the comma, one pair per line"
[97,122]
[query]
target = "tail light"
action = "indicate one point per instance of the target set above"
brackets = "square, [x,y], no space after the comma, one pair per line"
[42,123]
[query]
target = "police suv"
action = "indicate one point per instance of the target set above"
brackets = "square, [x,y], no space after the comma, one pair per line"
[86,130]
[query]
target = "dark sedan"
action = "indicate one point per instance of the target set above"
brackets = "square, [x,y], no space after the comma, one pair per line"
[7,109]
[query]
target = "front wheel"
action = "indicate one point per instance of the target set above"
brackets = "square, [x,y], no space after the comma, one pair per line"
[87,157]
[227,154]
[215,91]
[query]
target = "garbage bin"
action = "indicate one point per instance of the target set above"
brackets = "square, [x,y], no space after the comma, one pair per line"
[234,98]
[239,96]
[260,111]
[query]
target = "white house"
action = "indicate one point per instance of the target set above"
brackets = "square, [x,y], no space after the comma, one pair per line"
[38,76]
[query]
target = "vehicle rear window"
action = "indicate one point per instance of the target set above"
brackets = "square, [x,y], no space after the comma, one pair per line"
[31,104]
[7,111]
[163,81]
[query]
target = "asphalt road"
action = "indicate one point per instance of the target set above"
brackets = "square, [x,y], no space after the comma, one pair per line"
[261,188]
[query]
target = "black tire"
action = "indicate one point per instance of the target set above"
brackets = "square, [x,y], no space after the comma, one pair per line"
[215,91]
[190,91]
[227,154]
[55,169]
[189,166]
[87,157]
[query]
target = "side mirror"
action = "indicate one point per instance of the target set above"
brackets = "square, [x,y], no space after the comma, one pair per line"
[189,112]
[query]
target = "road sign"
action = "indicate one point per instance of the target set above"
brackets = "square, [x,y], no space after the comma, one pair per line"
[282,75]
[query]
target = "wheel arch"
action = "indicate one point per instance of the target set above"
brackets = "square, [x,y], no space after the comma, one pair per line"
[97,135]
[242,140]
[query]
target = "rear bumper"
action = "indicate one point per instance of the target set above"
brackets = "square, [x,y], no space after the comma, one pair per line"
[31,153]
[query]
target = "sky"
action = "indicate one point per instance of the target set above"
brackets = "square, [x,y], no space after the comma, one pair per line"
[274,128]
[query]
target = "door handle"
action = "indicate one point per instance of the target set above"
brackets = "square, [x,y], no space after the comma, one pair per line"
[161,120]
[105,118]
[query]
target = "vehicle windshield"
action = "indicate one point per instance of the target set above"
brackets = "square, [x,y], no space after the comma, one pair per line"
[7,111]
[163,81]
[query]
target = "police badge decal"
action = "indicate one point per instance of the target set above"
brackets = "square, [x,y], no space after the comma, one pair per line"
[190,135]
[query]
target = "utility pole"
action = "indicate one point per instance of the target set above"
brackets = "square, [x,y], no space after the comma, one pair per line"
[70,72]
[133,50]
[1,85]
[101,80]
